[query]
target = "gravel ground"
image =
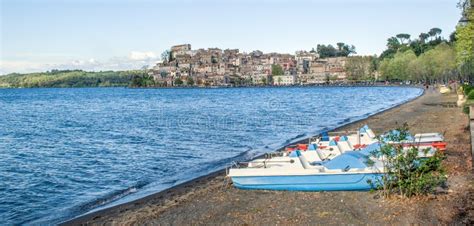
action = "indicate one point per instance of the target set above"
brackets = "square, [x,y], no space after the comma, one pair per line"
[209,200]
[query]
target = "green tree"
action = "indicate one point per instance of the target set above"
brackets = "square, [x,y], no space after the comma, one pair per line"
[388,53]
[465,44]
[178,82]
[374,64]
[403,37]
[393,43]
[326,51]
[360,68]
[417,70]
[142,80]
[214,59]
[342,49]
[189,81]
[347,50]
[396,68]
[437,64]
[405,173]
[423,37]
[340,45]
[434,33]
[277,69]
[452,37]
[417,46]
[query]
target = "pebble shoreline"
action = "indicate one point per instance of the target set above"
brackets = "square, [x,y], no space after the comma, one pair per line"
[207,200]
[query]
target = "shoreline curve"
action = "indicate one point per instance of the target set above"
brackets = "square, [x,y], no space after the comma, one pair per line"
[176,189]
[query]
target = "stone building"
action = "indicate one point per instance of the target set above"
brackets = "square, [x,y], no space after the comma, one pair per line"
[284,80]
[214,66]
[180,50]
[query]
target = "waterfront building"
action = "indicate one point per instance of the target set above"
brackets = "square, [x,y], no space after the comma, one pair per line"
[313,78]
[214,66]
[284,80]
[303,60]
[261,79]
[180,50]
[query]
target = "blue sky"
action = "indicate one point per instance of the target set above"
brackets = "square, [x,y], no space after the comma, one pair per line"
[125,34]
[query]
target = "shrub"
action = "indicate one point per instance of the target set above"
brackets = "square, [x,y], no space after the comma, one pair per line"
[178,82]
[467,104]
[467,88]
[405,173]
[465,109]
[470,96]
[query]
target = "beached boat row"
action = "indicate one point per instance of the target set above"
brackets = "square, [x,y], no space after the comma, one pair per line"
[329,162]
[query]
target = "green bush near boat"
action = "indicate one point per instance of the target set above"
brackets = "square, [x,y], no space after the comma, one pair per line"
[467,89]
[470,95]
[405,173]
[466,105]
[465,109]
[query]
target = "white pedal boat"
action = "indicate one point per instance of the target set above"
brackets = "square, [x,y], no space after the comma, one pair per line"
[347,171]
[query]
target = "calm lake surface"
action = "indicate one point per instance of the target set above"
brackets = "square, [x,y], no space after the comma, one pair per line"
[64,152]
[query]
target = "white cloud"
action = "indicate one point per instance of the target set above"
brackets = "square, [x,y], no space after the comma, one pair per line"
[135,60]
[136,55]
[20,66]
[92,61]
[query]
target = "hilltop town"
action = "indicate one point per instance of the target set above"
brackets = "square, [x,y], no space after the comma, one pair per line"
[216,67]
[428,59]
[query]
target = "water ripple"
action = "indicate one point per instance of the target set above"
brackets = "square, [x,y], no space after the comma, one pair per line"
[64,152]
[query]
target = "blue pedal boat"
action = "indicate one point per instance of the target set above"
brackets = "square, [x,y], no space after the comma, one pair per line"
[346,172]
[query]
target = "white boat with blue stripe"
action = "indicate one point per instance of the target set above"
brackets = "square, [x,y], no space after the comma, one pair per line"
[347,171]
[328,163]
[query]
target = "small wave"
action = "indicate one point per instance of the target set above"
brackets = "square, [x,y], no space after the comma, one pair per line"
[170,182]
[109,198]
[243,156]
[345,121]
[125,139]
[295,138]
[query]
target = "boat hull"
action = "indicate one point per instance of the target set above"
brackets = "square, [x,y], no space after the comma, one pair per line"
[339,182]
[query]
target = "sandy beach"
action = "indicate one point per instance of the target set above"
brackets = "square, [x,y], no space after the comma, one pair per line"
[213,200]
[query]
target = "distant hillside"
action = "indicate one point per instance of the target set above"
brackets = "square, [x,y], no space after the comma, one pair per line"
[69,78]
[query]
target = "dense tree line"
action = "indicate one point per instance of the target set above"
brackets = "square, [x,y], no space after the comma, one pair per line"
[361,68]
[341,50]
[142,79]
[464,38]
[429,58]
[277,69]
[69,78]
[403,42]
[437,64]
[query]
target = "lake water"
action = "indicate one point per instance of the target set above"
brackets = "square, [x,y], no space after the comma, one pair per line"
[64,152]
